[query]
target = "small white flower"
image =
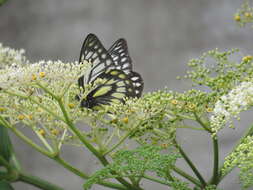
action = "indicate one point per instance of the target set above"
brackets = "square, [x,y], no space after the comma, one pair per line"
[230,105]
[20,80]
[55,72]
[10,56]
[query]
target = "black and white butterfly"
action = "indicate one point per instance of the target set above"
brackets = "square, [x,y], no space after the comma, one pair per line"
[114,67]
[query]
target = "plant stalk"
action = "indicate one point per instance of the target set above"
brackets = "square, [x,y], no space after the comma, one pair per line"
[215,177]
[187,176]
[37,182]
[101,158]
[192,166]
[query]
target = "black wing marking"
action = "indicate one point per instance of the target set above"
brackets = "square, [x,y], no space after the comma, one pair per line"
[137,82]
[118,85]
[94,52]
[120,55]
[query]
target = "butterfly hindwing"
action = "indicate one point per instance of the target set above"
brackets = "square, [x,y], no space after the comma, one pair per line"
[94,52]
[137,83]
[116,86]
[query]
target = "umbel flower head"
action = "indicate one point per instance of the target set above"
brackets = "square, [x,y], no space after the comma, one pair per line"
[42,96]
[29,92]
[51,73]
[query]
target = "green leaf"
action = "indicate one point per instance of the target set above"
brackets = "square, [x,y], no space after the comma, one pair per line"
[2,2]
[5,144]
[4,185]
[135,163]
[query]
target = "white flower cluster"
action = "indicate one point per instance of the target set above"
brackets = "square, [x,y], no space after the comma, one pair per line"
[16,72]
[51,72]
[230,105]
[10,56]
[30,92]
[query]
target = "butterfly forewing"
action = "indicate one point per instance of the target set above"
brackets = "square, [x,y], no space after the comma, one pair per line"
[94,52]
[120,55]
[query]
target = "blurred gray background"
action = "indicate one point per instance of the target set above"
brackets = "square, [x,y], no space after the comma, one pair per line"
[162,36]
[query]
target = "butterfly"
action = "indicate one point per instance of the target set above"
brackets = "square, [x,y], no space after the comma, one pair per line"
[114,67]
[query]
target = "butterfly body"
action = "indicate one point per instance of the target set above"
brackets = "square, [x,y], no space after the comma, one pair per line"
[114,67]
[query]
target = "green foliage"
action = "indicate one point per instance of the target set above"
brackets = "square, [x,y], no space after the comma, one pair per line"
[212,187]
[178,184]
[219,72]
[208,187]
[220,77]
[242,158]
[215,73]
[136,163]
[2,2]
[149,118]
[244,15]
[4,185]
[5,144]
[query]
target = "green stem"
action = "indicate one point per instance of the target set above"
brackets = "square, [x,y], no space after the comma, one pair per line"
[46,90]
[24,138]
[30,142]
[44,142]
[69,167]
[85,176]
[48,154]
[5,163]
[119,143]
[65,89]
[182,115]
[187,176]
[59,160]
[78,134]
[155,179]
[169,176]
[192,166]
[37,182]
[177,170]
[199,120]
[4,176]
[215,177]
[89,146]
[52,156]
[190,127]
[45,185]
[15,162]
[37,103]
